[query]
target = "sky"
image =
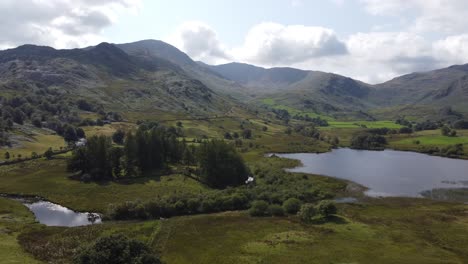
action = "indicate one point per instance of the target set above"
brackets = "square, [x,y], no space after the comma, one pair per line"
[369,40]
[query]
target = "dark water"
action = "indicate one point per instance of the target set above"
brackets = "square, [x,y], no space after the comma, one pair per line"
[387,173]
[51,214]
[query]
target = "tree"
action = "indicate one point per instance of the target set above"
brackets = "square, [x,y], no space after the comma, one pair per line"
[7,155]
[80,133]
[69,134]
[264,128]
[179,124]
[258,208]
[36,122]
[445,130]
[227,135]
[326,208]
[307,213]
[34,155]
[292,206]
[247,133]
[220,165]
[116,249]
[48,154]
[118,137]
[453,133]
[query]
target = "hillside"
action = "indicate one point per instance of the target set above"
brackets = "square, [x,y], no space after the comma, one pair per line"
[107,76]
[155,49]
[425,93]
[420,95]
[258,78]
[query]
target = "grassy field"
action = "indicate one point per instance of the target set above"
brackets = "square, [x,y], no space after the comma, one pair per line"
[377,231]
[49,179]
[14,217]
[391,230]
[360,124]
[38,143]
[386,230]
[434,137]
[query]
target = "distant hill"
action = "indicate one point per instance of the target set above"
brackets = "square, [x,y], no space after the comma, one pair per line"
[155,49]
[422,95]
[258,77]
[110,77]
[151,75]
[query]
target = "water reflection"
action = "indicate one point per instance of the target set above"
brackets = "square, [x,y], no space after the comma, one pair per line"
[51,214]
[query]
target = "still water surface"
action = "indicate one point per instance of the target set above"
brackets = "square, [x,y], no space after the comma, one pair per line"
[51,214]
[386,173]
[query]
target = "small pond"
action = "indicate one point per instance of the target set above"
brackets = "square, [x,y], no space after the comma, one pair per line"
[388,172]
[51,214]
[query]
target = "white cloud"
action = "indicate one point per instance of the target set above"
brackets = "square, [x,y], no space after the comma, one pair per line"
[276,44]
[199,41]
[440,16]
[58,23]
[453,49]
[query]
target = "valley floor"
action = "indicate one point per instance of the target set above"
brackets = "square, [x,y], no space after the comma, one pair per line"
[386,230]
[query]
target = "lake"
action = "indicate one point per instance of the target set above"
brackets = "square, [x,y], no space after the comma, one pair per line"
[51,214]
[388,172]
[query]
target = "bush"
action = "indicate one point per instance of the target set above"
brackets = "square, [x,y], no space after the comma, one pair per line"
[307,213]
[258,208]
[326,208]
[276,210]
[116,249]
[292,206]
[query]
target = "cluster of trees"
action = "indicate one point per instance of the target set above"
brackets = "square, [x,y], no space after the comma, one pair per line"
[211,202]
[317,212]
[420,126]
[245,134]
[152,148]
[452,151]
[307,131]
[272,185]
[143,151]
[262,208]
[317,121]
[460,124]
[282,114]
[116,249]
[448,132]
[368,141]
[50,109]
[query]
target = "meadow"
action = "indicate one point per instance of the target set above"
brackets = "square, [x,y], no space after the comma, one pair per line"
[374,230]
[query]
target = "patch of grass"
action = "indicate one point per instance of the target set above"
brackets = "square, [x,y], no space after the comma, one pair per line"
[14,217]
[360,124]
[60,244]
[386,231]
[49,179]
[38,143]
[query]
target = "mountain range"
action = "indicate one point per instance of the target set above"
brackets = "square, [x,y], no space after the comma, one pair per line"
[153,76]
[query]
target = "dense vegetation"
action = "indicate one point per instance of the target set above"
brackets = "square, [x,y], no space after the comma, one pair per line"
[368,141]
[116,249]
[152,149]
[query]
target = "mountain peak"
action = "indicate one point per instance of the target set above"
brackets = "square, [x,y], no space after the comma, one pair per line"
[157,48]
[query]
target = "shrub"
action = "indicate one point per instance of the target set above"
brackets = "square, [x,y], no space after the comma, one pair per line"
[307,213]
[292,206]
[116,249]
[258,208]
[326,208]
[276,210]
